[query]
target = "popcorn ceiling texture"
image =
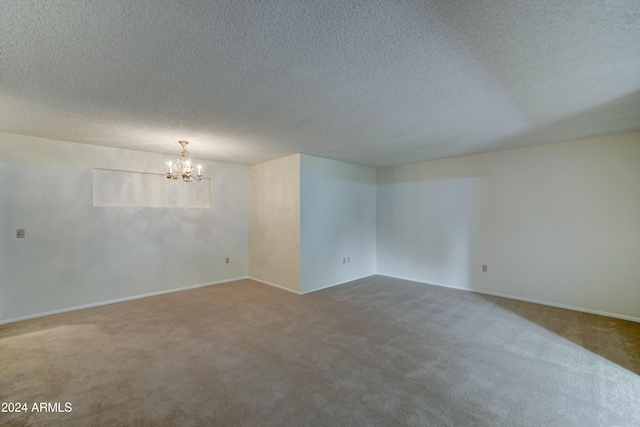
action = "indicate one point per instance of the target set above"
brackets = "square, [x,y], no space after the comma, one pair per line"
[371,82]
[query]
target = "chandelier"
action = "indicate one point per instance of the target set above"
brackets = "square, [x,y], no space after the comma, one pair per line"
[183,168]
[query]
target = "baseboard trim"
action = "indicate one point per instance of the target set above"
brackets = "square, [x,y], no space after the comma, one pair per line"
[532,300]
[117,300]
[568,307]
[335,284]
[312,290]
[274,285]
[413,279]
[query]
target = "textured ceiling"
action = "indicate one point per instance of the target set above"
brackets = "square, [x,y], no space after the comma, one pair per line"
[371,82]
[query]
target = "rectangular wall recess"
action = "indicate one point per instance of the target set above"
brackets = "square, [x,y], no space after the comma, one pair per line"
[115,188]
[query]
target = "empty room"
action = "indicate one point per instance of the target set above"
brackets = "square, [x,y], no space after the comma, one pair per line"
[319,213]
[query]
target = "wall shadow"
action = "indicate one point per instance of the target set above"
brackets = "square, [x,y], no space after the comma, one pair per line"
[616,340]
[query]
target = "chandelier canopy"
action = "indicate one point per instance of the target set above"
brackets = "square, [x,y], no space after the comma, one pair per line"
[183,167]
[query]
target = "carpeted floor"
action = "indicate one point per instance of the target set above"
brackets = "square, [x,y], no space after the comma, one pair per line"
[377,351]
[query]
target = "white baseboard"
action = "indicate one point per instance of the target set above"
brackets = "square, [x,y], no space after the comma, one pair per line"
[568,307]
[335,284]
[311,290]
[413,279]
[535,301]
[274,285]
[114,301]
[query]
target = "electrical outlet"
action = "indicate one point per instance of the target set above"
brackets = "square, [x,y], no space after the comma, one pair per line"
[227,261]
[20,233]
[484,268]
[344,260]
[348,260]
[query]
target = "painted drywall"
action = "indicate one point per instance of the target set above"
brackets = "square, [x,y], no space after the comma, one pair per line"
[337,221]
[274,222]
[558,223]
[136,189]
[75,254]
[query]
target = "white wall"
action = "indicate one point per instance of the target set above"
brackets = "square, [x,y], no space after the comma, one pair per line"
[274,222]
[75,254]
[337,220]
[147,190]
[559,223]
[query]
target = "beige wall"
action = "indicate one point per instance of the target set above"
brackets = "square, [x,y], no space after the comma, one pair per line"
[557,224]
[274,222]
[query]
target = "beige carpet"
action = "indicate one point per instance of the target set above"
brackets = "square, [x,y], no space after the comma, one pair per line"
[377,351]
